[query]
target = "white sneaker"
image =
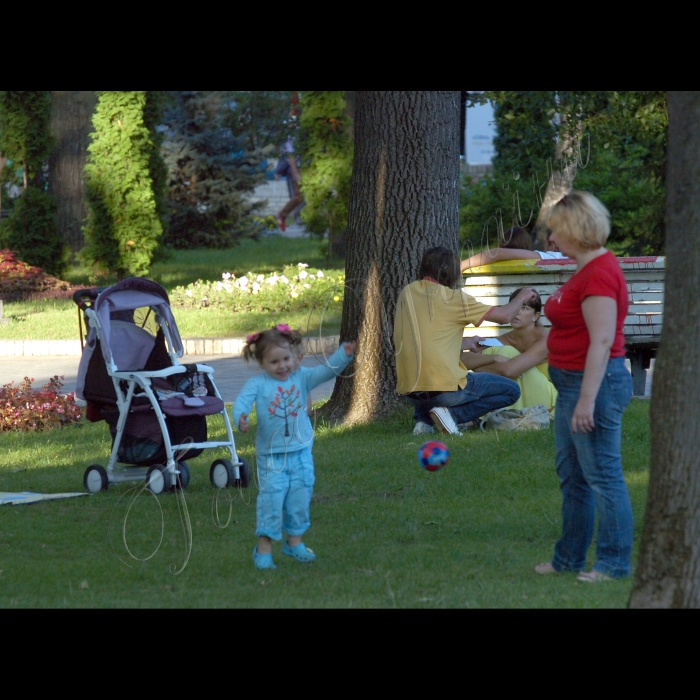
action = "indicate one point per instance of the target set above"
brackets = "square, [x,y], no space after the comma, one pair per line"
[423,429]
[444,421]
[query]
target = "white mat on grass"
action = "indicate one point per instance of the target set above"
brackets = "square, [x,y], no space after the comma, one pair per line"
[15,499]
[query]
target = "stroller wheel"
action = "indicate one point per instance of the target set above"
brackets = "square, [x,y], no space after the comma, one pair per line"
[158,480]
[221,474]
[184,478]
[244,471]
[95,479]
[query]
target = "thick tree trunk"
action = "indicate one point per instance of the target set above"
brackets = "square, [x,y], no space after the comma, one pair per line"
[668,573]
[404,199]
[71,115]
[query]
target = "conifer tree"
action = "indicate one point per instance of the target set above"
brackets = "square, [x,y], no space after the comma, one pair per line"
[327,152]
[123,229]
[25,139]
[209,173]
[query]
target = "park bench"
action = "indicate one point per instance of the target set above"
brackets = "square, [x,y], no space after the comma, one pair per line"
[493,284]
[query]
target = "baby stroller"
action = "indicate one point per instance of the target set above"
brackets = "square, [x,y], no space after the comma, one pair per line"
[155,407]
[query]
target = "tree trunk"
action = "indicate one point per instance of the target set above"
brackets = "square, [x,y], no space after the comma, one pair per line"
[668,573]
[71,115]
[404,199]
[562,177]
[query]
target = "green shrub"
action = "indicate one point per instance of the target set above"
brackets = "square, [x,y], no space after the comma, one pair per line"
[31,231]
[123,229]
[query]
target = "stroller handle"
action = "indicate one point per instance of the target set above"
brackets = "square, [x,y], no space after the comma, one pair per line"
[85,298]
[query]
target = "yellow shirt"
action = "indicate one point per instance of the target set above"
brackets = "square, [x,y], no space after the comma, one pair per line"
[428,331]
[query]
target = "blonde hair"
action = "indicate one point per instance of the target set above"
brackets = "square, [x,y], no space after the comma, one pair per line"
[580,218]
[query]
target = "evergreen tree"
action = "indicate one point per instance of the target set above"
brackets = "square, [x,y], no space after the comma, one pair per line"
[262,117]
[210,173]
[326,149]
[156,102]
[123,229]
[25,139]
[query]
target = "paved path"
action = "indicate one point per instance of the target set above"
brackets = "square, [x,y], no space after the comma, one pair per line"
[230,372]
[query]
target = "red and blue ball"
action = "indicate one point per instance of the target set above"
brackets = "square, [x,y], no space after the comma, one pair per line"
[433,455]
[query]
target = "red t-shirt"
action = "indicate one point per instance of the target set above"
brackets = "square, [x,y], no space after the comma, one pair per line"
[569,340]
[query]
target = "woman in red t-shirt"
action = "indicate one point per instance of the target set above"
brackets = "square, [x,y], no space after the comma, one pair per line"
[586,364]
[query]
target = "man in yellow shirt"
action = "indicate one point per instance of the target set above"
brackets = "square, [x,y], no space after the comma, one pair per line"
[431,314]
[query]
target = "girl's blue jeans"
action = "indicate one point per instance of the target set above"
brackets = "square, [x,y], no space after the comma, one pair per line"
[484,393]
[589,466]
[286,486]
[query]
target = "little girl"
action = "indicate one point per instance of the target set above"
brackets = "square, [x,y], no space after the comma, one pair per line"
[284,438]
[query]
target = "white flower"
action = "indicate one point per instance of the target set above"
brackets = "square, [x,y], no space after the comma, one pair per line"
[302,266]
[303,275]
[294,295]
[260,278]
[189,292]
[242,282]
[226,275]
[320,274]
[307,286]
[256,287]
[273,280]
[284,280]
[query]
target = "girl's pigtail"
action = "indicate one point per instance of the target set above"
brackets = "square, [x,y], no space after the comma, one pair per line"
[249,348]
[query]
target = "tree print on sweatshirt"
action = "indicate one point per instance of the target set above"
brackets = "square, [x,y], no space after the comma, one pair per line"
[283,405]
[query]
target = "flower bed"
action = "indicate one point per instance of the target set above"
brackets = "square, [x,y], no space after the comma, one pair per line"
[22,282]
[30,410]
[294,289]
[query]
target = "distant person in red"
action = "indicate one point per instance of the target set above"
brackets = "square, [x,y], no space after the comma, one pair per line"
[287,167]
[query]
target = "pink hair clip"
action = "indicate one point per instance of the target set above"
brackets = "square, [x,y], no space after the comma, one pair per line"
[283,328]
[253,338]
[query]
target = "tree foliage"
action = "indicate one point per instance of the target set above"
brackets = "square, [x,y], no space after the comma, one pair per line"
[123,229]
[618,141]
[25,138]
[210,173]
[262,117]
[326,149]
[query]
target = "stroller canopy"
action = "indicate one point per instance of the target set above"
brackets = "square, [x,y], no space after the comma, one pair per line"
[122,341]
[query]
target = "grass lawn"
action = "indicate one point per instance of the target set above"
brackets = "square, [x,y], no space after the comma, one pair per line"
[387,533]
[58,320]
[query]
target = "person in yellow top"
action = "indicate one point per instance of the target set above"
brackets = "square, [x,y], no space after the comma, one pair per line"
[522,356]
[431,314]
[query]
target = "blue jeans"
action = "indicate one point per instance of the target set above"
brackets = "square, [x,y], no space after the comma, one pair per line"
[484,393]
[590,473]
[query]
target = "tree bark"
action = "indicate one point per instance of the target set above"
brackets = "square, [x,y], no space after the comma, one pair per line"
[668,573]
[404,199]
[71,115]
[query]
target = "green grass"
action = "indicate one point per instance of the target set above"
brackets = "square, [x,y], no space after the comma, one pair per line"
[387,533]
[58,320]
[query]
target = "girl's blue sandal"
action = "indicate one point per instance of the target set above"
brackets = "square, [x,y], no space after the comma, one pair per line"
[300,552]
[263,561]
